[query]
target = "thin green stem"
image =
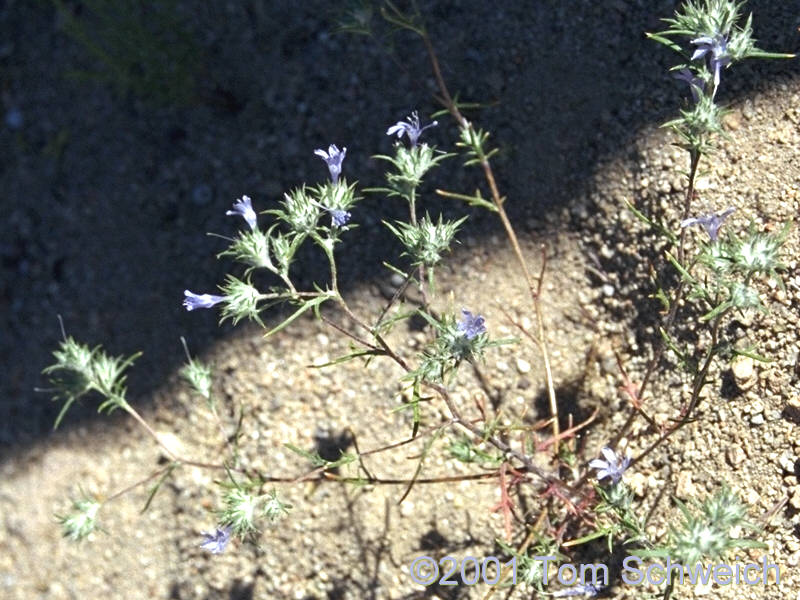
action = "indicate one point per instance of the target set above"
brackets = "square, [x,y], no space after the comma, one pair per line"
[412,205]
[412,208]
[334,272]
[288,295]
[660,345]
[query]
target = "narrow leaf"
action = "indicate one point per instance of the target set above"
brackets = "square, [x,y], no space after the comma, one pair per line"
[158,484]
[313,303]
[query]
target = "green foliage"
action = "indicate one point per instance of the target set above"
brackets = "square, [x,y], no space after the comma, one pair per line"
[426,240]
[355,16]
[530,570]
[82,521]
[474,142]
[698,125]
[79,370]
[143,49]
[410,166]
[243,506]
[197,374]
[241,301]
[463,449]
[734,264]
[707,531]
[251,247]
[318,462]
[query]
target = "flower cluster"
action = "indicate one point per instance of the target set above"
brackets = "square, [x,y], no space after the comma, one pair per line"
[82,521]
[79,370]
[709,531]
[410,128]
[712,27]
[711,223]
[297,218]
[336,200]
[716,41]
[412,163]
[242,509]
[456,341]
[426,240]
[610,466]
[333,158]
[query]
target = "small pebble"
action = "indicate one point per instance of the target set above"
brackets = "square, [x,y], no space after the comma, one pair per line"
[795,499]
[685,487]
[787,462]
[735,456]
[396,280]
[523,366]
[742,368]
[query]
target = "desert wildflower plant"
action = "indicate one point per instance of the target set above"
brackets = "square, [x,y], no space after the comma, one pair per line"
[719,268]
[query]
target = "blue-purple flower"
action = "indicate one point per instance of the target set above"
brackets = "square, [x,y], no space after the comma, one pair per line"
[611,467]
[470,326]
[339,218]
[244,208]
[192,301]
[216,542]
[711,223]
[410,127]
[696,84]
[717,48]
[333,158]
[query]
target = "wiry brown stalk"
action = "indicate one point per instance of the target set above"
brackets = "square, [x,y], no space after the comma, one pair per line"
[694,400]
[316,475]
[534,284]
[455,413]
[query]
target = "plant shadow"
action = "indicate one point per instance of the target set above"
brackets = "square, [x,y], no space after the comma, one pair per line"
[109,198]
